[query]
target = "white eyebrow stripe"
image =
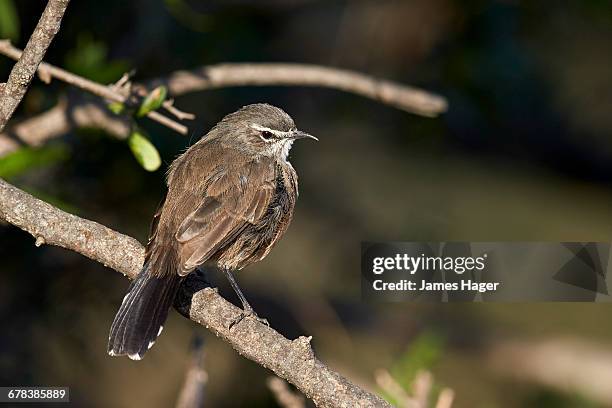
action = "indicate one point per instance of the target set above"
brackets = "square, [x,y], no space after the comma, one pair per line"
[278,133]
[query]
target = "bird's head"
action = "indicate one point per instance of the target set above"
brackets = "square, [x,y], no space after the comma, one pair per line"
[260,129]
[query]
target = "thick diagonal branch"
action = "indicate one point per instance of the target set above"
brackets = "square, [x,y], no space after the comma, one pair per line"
[24,70]
[292,360]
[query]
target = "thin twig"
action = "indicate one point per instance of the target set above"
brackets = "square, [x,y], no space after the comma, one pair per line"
[27,63]
[446,398]
[421,388]
[283,394]
[385,380]
[169,106]
[403,97]
[169,123]
[293,360]
[106,92]
[192,393]
[123,81]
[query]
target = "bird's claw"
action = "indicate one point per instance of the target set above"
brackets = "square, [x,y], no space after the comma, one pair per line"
[262,320]
[248,312]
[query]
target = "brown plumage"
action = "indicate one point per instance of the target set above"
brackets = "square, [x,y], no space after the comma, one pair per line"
[230,198]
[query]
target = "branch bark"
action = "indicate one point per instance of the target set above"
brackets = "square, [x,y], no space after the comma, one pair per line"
[22,73]
[226,75]
[293,360]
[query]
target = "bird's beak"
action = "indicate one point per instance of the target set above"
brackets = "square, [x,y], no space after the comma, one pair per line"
[298,134]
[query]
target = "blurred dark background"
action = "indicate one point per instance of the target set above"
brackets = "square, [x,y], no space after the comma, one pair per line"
[524,153]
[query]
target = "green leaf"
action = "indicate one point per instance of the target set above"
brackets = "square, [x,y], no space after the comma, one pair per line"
[116,107]
[28,158]
[153,101]
[9,20]
[145,152]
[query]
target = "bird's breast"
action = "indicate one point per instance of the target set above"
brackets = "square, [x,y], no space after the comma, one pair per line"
[259,237]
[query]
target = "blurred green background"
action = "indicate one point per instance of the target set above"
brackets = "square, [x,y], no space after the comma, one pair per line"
[524,153]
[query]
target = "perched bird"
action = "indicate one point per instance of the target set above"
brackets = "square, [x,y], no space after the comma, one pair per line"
[230,198]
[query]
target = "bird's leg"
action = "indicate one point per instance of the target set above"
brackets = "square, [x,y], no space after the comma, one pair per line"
[230,277]
[247,310]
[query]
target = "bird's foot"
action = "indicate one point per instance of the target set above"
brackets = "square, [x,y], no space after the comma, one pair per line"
[248,312]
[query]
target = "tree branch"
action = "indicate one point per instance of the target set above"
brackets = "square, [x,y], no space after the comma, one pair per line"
[226,75]
[565,364]
[106,92]
[422,387]
[209,77]
[22,73]
[292,360]
[192,392]
[69,113]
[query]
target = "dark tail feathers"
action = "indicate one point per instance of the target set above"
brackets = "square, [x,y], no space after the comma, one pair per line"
[142,314]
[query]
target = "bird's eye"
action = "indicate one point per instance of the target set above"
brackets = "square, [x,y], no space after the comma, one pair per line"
[267,135]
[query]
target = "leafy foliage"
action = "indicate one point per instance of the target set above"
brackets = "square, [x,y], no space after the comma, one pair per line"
[153,101]
[116,107]
[145,152]
[28,158]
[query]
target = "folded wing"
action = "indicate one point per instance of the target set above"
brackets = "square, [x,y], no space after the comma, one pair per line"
[235,199]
